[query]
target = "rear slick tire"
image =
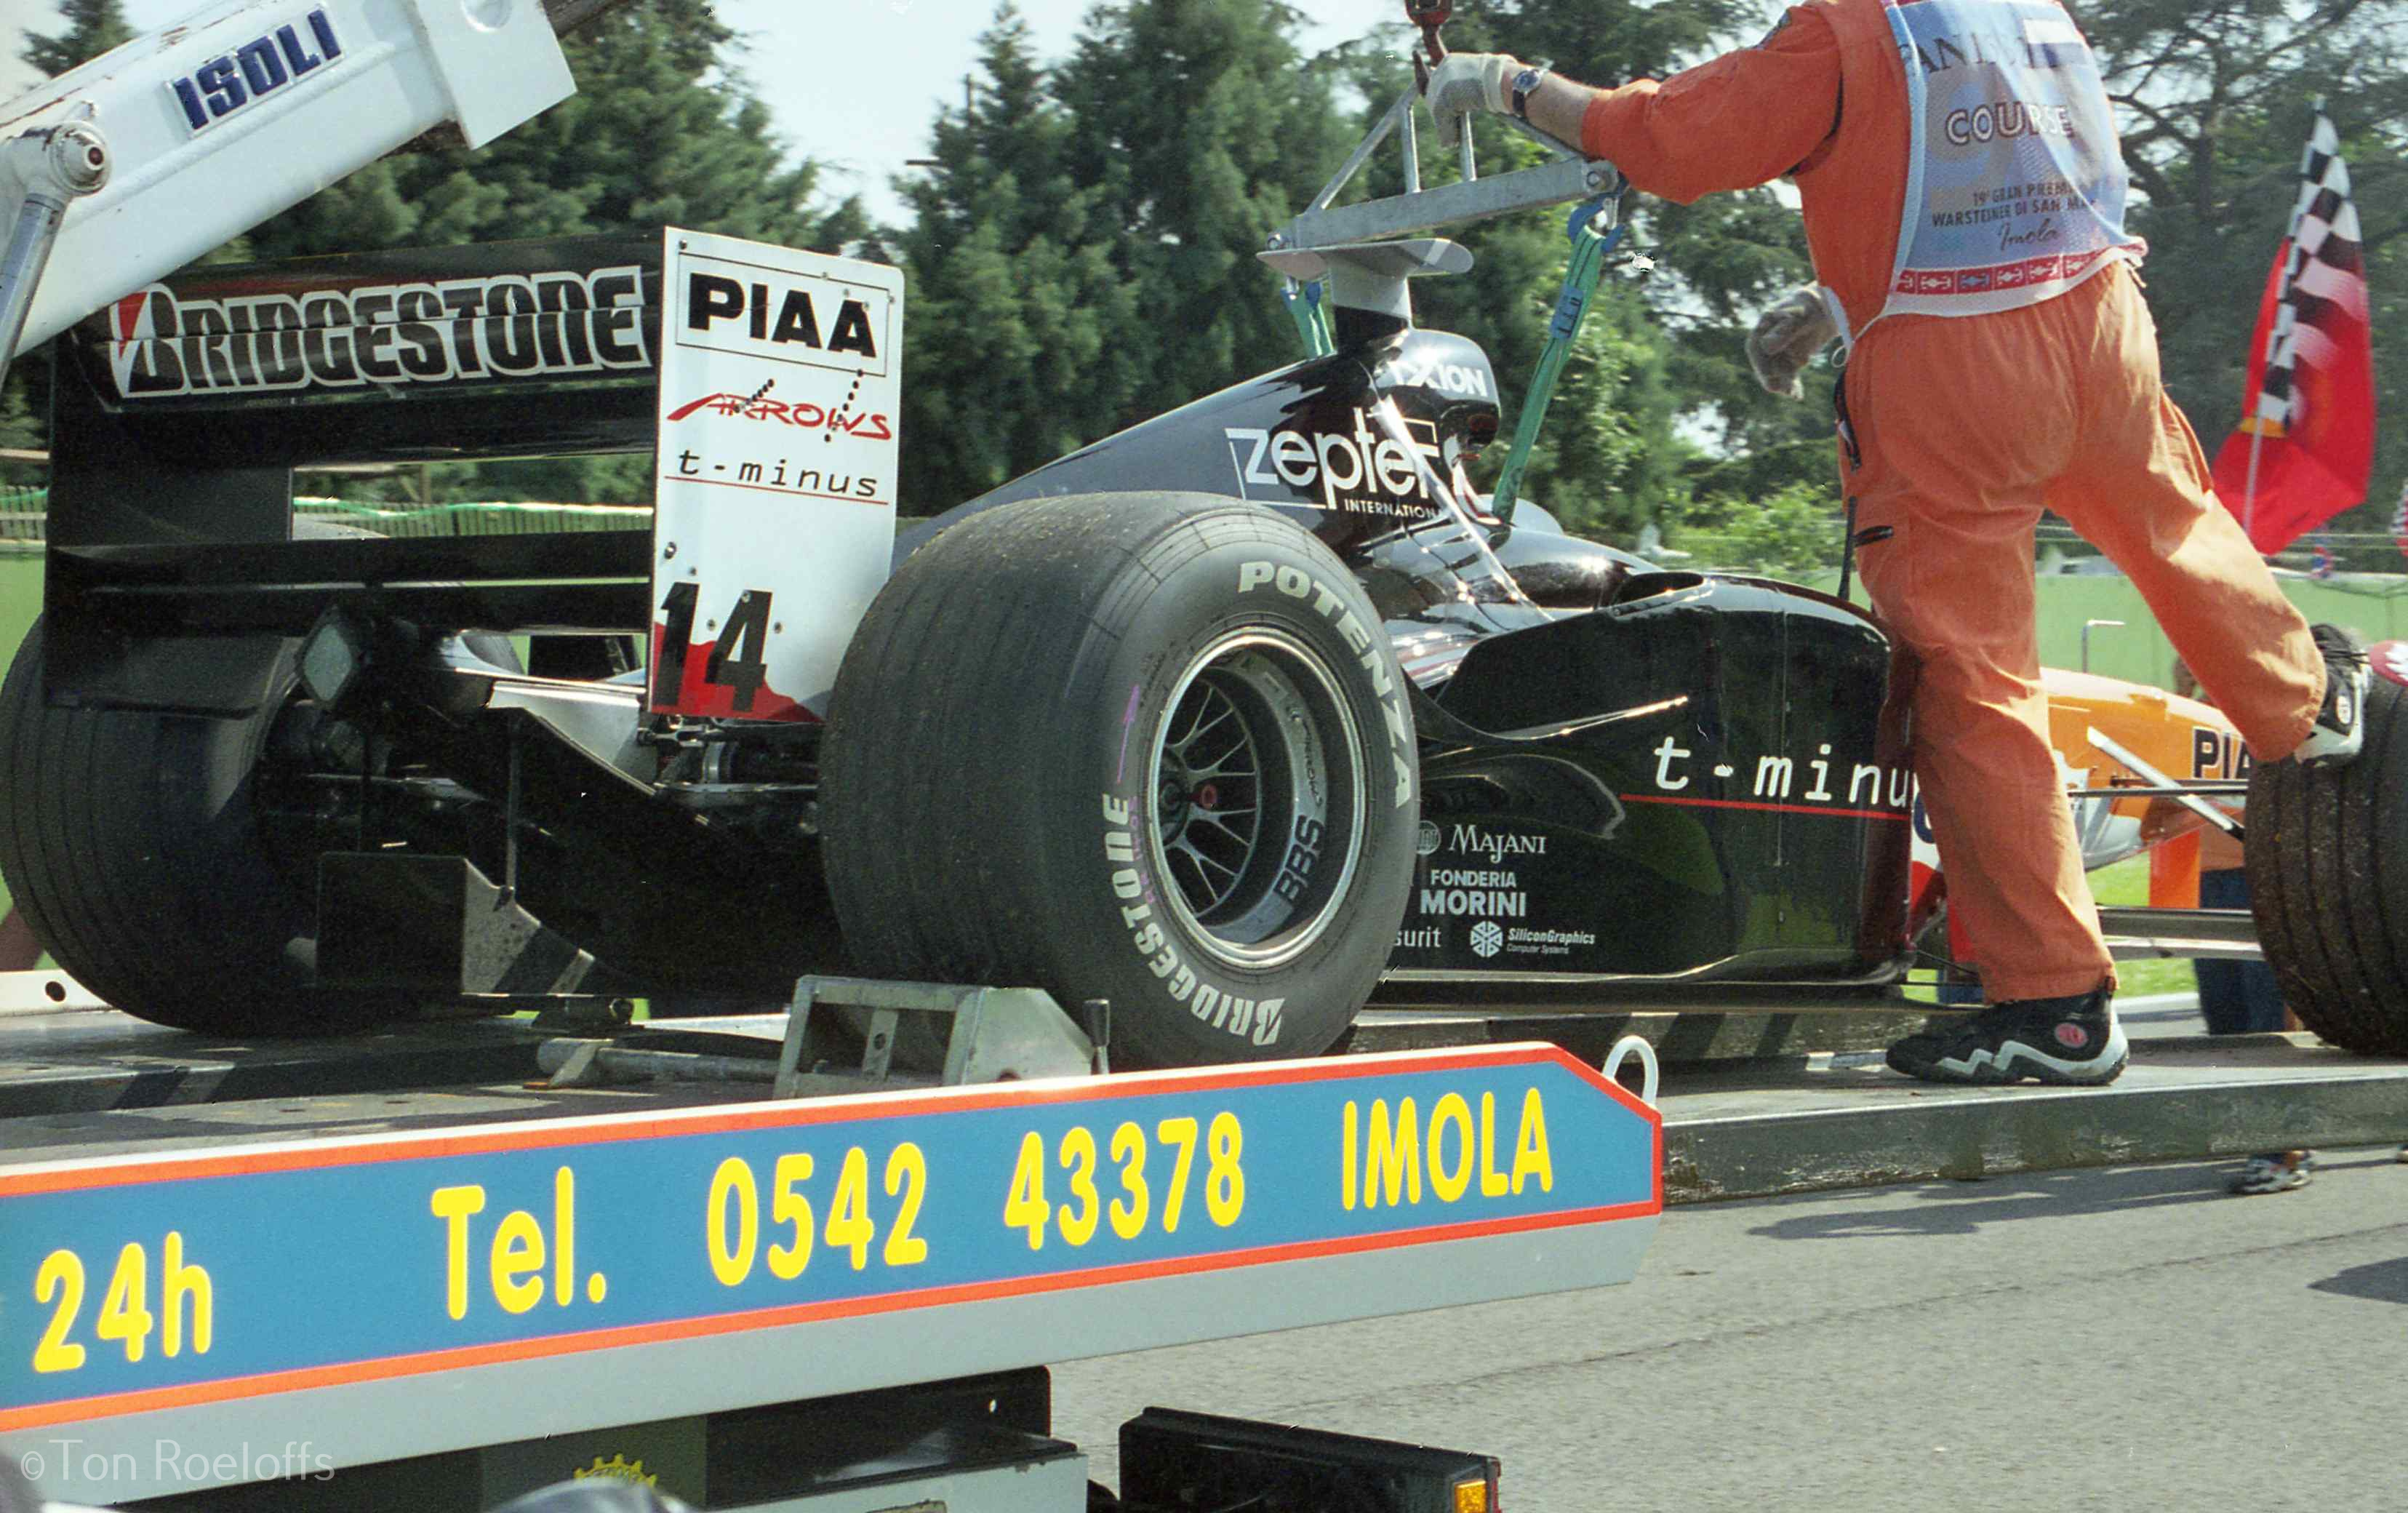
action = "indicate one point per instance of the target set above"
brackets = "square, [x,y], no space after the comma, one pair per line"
[2328,861]
[1151,748]
[129,841]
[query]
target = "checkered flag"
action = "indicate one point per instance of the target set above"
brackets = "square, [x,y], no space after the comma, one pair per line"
[2327,265]
[2305,444]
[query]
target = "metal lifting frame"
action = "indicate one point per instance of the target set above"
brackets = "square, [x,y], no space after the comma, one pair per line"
[1570,176]
[1594,229]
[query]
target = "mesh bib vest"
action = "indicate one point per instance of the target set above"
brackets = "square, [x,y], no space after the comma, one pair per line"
[2014,184]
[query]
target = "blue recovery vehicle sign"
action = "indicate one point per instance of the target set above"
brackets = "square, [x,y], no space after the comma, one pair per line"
[134,1286]
[276,59]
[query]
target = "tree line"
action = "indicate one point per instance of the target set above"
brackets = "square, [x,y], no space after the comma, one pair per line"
[1079,239]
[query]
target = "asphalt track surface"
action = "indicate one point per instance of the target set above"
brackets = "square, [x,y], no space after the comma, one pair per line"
[2112,1339]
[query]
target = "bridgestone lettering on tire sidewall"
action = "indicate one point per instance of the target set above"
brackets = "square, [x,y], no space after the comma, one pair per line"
[1196,782]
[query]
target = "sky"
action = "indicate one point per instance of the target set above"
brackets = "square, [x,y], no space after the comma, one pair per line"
[854,83]
[15,16]
[905,57]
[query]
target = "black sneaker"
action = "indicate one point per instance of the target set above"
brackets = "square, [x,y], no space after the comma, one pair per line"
[2340,730]
[2072,1041]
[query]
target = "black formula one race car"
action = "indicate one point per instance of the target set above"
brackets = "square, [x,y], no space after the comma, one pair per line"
[1226,719]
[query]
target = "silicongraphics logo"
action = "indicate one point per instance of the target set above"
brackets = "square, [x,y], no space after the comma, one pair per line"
[1488,938]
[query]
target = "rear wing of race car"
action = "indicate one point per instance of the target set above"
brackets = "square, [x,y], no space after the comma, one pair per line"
[184,410]
[181,413]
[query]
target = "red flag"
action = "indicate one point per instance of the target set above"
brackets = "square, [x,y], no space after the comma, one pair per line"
[2305,445]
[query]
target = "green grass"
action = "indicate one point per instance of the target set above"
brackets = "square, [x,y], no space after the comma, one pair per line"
[2127,883]
[20,599]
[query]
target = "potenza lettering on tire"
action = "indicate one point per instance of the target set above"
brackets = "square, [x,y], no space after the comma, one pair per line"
[1257,1021]
[1184,805]
[1297,583]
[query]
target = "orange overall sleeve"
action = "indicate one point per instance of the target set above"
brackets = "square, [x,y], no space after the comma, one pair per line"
[1743,119]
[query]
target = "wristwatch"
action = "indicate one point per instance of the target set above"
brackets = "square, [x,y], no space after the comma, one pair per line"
[1525,83]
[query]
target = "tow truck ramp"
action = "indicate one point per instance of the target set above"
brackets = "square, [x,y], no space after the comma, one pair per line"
[490,1305]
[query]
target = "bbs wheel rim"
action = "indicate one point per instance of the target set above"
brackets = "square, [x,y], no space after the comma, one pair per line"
[1258,785]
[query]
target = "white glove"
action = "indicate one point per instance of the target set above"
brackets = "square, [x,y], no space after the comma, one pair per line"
[1469,81]
[1786,337]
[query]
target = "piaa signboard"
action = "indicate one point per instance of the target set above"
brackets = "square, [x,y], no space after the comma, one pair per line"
[781,388]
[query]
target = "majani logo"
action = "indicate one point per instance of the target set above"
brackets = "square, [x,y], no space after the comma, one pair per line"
[1496,845]
[1488,938]
[1429,842]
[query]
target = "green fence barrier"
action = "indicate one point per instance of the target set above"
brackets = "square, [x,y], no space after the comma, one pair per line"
[492,519]
[2374,606]
[22,513]
[20,599]
[24,518]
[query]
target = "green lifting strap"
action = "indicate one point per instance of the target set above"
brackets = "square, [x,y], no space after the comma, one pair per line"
[1307,306]
[1589,249]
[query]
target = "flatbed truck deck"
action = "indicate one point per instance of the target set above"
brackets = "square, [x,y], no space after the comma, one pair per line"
[478,1277]
[445,1271]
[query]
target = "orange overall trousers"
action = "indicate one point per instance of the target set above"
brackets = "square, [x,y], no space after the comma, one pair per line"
[1967,428]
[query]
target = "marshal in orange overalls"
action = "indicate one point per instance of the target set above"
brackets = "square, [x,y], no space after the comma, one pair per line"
[1994,374]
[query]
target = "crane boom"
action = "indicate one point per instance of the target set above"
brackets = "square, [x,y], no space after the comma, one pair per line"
[132,166]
